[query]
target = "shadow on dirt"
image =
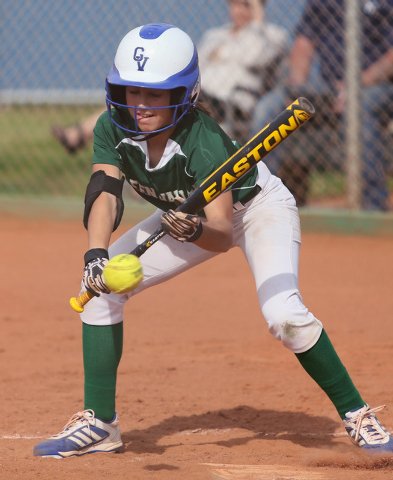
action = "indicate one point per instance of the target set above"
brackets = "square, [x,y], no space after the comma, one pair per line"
[296,427]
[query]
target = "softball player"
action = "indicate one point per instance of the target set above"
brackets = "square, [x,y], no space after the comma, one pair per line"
[162,141]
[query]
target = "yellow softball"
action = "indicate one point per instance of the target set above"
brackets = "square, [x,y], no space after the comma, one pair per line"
[123,273]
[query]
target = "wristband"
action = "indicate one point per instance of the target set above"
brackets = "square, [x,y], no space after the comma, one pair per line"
[94,253]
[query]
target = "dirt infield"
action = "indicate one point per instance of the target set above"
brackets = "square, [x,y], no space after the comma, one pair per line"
[204,392]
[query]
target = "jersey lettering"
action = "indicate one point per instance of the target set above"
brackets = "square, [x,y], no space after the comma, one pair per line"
[170,196]
[167,197]
[142,189]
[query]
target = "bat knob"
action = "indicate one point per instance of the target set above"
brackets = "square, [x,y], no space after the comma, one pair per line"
[76,305]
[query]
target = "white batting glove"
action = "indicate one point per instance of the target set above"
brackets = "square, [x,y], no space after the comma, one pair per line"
[93,279]
[184,227]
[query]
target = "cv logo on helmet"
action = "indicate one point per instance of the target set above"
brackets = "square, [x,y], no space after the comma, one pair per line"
[140,59]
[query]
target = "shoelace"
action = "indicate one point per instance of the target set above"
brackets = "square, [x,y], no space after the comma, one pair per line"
[86,415]
[361,420]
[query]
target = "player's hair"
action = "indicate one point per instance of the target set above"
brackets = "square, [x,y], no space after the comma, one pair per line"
[204,108]
[177,96]
[262,2]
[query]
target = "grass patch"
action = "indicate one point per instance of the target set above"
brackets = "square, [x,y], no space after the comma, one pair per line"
[32,161]
[323,184]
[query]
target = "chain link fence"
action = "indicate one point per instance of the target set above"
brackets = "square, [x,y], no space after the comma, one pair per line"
[55,56]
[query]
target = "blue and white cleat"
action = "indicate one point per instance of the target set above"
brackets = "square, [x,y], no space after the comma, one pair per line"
[84,433]
[365,430]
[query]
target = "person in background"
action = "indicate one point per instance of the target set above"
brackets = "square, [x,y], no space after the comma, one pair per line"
[321,32]
[77,136]
[239,62]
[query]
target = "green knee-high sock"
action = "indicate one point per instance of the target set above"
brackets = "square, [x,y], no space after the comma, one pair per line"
[322,363]
[102,349]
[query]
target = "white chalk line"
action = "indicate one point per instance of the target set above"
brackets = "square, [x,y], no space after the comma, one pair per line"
[200,431]
[215,432]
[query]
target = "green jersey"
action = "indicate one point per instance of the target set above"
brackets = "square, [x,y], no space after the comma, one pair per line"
[196,148]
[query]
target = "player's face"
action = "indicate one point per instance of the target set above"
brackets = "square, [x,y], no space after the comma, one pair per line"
[147,99]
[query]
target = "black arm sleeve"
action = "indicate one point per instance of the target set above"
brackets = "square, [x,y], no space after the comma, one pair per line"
[101,182]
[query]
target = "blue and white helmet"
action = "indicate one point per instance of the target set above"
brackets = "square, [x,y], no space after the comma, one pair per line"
[157,56]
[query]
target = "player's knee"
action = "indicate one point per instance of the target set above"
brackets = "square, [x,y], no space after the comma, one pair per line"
[290,322]
[299,337]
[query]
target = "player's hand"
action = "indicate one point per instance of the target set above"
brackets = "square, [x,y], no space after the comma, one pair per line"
[256,10]
[184,227]
[93,279]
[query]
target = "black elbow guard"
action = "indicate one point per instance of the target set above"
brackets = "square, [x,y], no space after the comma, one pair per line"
[101,182]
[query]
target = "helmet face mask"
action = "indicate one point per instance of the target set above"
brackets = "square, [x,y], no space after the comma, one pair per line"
[155,56]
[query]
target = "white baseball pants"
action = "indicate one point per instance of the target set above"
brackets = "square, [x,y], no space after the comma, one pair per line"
[267,229]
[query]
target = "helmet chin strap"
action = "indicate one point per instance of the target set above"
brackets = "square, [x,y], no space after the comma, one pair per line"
[145,137]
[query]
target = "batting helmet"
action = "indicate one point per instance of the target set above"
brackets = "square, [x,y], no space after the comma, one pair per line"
[158,56]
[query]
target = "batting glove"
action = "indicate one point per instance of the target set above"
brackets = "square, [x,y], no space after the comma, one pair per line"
[93,279]
[184,227]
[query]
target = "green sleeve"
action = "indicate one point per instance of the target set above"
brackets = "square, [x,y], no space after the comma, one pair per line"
[211,148]
[105,142]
